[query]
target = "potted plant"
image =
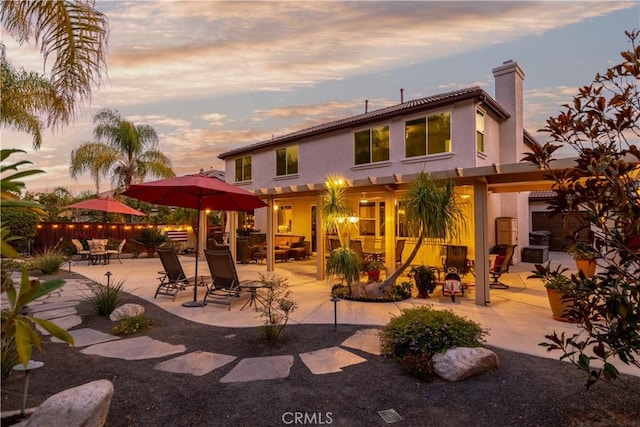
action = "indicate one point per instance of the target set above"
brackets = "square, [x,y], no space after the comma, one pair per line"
[585,257]
[559,289]
[425,279]
[372,268]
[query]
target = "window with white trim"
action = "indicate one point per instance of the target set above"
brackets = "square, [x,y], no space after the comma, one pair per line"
[480,131]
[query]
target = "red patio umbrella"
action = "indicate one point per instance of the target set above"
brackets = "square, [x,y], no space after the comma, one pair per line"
[198,191]
[106,204]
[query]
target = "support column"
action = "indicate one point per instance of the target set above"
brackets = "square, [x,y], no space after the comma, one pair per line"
[233,241]
[271,218]
[481,236]
[390,231]
[321,240]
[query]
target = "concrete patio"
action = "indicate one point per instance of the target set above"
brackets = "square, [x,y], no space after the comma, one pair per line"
[517,318]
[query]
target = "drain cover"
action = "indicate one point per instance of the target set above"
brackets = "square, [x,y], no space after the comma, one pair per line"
[390,416]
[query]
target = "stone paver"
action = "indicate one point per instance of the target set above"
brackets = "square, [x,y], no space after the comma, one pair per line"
[36,307]
[197,363]
[134,349]
[329,360]
[57,313]
[86,336]
[259,368]
[367,340]
[67,322]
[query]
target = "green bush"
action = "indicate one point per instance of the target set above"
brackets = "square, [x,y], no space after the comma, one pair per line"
[23,223]
[9,356]
[340,291]
[48,261]
[151,239]
[398,292]
[106,298]
[132,325]
[414,337]
[276,307]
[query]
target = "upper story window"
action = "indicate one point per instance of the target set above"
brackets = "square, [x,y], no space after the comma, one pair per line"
[428,135]
[243,169]
[371,145]
[287,160]
[480,131]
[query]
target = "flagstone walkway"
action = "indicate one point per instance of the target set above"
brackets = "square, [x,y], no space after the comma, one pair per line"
[60,307]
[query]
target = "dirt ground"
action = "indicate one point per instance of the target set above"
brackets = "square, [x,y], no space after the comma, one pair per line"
[524,391]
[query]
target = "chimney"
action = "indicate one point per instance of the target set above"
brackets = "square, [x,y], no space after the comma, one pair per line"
[509,79]
[366,106]
[401,96]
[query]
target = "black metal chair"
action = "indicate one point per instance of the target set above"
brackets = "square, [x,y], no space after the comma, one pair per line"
[501,266]
[225,285]
[173,278]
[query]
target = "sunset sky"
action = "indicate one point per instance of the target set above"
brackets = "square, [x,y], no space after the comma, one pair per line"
[211,76]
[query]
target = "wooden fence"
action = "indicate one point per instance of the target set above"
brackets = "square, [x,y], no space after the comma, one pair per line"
[49,233]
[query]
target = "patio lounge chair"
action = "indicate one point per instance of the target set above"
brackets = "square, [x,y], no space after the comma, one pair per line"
[225,285]
[173,278]
[501,266]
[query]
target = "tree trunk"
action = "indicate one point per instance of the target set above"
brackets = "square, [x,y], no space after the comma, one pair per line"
[391,279]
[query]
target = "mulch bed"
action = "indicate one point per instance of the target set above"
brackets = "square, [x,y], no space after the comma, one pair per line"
[524,391]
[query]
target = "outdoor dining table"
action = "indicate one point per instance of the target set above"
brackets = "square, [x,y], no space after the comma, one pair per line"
[252,287]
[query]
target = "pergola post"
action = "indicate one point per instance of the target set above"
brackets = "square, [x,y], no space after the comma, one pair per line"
[481,236]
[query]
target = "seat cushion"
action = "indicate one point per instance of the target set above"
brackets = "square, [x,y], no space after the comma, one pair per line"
[498,262]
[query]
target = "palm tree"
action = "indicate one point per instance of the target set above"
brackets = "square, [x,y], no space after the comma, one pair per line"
[74,33]
[128,152]
[25,95]
[432,211]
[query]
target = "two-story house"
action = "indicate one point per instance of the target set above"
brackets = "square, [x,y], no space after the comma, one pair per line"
[465,135]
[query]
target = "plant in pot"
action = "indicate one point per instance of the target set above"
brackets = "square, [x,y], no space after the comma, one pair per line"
[372,268]
[585,257]
[425,279]
[559,289]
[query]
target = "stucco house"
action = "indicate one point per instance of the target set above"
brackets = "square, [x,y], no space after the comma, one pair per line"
[466,135]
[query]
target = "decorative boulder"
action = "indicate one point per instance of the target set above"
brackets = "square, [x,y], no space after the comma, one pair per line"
[83,406]
[374,290]
[462,362]
[125,311]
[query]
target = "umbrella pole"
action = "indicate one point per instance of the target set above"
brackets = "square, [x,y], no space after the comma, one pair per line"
[195,302]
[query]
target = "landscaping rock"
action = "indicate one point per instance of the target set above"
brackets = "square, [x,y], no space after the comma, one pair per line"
[462,362]
[125,311]
[374,290]
[83,406]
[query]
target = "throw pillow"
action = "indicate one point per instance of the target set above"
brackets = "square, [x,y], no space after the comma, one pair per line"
[499,260]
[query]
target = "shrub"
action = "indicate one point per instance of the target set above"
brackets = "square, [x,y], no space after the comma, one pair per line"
[151,238]
[9,356]
[398,292]
[277,305]
[340,291]
[132,325]
[106,298]
[48,261]
[414,337]
[21,222]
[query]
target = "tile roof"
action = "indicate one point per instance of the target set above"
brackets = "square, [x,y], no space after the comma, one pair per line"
[542,195]
[376,115]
